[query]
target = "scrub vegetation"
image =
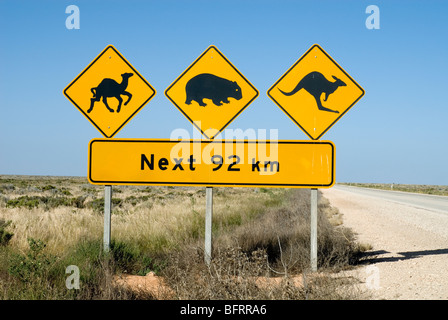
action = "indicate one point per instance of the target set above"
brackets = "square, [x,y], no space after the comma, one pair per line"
[415,188]
[260,242]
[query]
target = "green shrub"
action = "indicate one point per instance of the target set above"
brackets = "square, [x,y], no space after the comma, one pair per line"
[124,255]
[34,264]
[5,236]
[28,202]
[65,192]
[78,202]
[130,258]
[48,187]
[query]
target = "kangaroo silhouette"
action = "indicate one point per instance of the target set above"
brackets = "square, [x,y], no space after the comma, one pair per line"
[315,84]
[109,88]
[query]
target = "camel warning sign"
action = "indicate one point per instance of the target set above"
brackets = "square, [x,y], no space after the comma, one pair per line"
[109,92]
[211,93]
[315,92]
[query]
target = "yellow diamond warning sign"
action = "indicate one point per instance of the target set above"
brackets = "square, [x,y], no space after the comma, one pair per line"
[211,93]
[109,92]
[315,92]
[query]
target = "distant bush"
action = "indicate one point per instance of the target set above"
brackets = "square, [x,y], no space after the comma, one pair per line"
[133,200]
[48,187]
[7,187]
[28,202]
[65,192]
[441,190]
[47,202]
[97,204]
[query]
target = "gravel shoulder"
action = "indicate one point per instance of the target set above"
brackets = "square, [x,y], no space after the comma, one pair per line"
[409,255]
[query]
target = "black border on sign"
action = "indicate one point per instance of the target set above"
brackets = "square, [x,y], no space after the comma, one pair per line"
[195,183]
[87,68]
[183,73]
[292,67]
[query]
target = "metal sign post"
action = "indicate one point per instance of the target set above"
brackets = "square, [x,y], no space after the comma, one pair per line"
[107,217]
[313,238]
[208,224]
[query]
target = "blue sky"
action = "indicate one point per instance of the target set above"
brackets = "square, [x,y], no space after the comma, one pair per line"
[395,133]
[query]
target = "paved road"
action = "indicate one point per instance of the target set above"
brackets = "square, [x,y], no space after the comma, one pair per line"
[423,201]
[409,238]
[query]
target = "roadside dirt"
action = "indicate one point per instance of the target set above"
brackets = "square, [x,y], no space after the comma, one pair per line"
[156,286]
[149,283]
[409,255]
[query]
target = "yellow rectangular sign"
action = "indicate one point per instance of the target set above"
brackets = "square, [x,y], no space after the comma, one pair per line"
[238,163]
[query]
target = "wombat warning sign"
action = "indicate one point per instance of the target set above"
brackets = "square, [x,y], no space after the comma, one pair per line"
[211,92]
[315,92]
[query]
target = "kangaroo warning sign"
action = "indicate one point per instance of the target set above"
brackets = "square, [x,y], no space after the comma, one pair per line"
[211,93]
[315,92]
[109,92]
[237,163]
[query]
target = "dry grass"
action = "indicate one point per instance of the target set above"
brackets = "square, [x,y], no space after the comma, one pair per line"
[155,217]
[257,233]
[234,275]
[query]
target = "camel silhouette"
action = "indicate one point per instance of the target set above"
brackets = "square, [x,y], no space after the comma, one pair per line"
[315,84]
[110,88]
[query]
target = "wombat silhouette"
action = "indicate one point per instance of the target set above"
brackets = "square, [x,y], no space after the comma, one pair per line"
[110,88]
[315,84]
[209,86]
